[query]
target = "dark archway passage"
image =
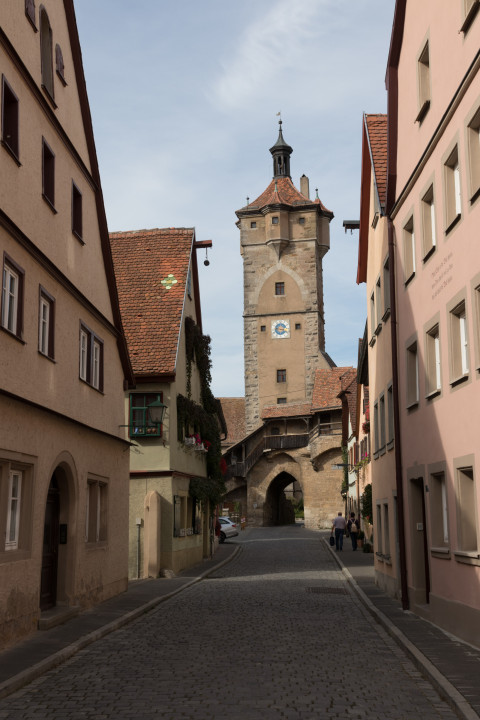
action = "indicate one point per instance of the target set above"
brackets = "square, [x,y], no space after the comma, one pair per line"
[277,509]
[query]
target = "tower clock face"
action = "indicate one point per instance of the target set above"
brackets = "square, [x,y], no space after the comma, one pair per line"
[280,328]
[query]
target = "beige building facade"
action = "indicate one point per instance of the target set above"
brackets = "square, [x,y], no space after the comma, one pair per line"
[63,454]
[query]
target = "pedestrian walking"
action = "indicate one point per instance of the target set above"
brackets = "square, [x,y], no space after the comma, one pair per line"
[353,528]
[339,524]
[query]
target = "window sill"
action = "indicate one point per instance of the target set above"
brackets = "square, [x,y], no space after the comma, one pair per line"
[470,16]
[413,405]
[12,153]
[386,315]
[375,455]
[422,112]
[47,357]
[85,382]
[468,557]
[14,555]
[13,335]
[49,96]
[31,21]
[78,237]
[96,545]
[459,380]
[373,340]
[382,450]
[454,222]
[409,279]
[429,253]
[50,204]
[441,552]
[475,196]
[62,79]
[390,444]
[378,329]
[433,394]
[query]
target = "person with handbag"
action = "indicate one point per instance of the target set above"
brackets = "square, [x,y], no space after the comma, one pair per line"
[353,526]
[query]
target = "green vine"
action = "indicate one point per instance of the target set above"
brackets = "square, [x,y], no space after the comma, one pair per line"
[367,507]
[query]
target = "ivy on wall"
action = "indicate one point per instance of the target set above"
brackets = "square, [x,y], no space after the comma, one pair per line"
[202,417]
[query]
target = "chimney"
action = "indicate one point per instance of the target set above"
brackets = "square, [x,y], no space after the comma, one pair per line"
[305,187]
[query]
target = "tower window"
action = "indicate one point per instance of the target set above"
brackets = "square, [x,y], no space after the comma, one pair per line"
[253,224]
[281,376]
[301,220]
[279,288]
[298,326]
[281,401]
[275,220]
[263,328]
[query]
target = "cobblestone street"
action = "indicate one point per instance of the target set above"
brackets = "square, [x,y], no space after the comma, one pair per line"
[276,633]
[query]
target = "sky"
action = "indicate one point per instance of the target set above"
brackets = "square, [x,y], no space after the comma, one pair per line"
[184,99]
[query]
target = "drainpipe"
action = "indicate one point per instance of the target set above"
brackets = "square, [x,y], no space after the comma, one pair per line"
[396,418]
[138,522]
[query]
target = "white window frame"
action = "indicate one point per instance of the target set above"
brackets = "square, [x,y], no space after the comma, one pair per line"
[83,354]
[44,325]
[13,510]
[96,361]
[10,298]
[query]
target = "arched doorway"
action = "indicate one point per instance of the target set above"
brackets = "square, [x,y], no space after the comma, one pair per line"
[59,534]
[277,508]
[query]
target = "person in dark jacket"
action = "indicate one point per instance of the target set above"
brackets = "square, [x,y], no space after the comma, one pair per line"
[353,526]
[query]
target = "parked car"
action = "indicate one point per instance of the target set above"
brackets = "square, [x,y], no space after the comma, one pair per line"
[228,528]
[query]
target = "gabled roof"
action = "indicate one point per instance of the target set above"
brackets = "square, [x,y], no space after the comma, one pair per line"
[286,410]
[376,126]
[234,414]
[282,191]
[374,160]
[328,385]
[151,267]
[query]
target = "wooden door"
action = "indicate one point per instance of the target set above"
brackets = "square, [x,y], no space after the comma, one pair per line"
[48,589]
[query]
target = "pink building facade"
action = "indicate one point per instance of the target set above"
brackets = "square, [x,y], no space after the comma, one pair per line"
[433,209]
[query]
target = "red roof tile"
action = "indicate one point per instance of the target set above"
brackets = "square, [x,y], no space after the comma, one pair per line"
[377,137]
[286,410]
[327,386]
[282,191]
[234,414]
[151,269]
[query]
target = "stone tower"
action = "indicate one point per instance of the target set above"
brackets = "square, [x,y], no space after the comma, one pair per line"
[283,236]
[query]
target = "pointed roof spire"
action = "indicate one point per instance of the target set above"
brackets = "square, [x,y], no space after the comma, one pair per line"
[281,155]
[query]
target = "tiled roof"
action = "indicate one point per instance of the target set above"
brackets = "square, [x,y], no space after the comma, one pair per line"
[286,410]
[282,191]
[234,414]
[151,268]
[377,135]
[327,386]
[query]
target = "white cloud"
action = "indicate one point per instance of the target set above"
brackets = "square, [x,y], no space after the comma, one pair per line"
[270,44]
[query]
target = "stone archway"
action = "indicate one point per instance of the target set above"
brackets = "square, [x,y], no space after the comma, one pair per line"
[277,509]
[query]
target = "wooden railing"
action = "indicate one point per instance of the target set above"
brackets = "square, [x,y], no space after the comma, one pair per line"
[285,442]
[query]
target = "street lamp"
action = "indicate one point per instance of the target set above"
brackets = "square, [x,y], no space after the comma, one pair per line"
[156,412]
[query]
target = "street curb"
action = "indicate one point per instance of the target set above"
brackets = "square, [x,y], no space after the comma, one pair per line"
[443,686]
[27,676]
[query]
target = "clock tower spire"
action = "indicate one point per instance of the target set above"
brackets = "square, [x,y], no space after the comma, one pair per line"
[283,238]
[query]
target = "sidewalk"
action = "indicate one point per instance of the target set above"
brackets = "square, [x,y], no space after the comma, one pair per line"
[46,649]
[452,666]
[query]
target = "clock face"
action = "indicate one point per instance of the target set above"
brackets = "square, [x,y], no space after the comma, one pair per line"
[280,328]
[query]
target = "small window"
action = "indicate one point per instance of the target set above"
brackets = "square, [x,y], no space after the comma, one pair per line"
[91,358]
[459,342]
[301,221]
[13,510]
[453,201]
[253,224]
[281,376]
[466,506]
[46,52]
[77,221]
[263,328]
[412,375]
[423,83]
[298,326]
[390,418]
[10,135]
[429,224]
[140,424]
[409,251]
[279,288]
[433,369]
[470,10]
[386,289]
[48,175]
[275,220]
[96,518]
[12,297]
[30,11]
[59,65]
[46,324]
[473,143]
[281,400]
[438,510]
